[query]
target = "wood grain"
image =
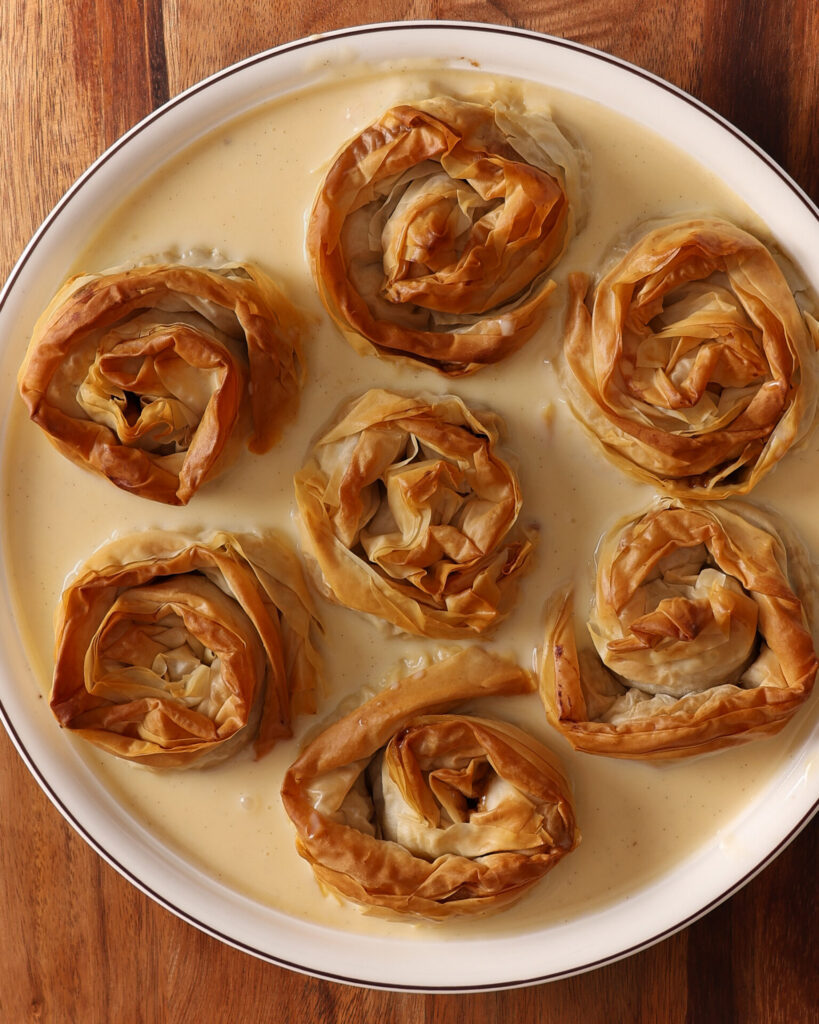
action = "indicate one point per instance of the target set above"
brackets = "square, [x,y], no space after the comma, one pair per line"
[77,942]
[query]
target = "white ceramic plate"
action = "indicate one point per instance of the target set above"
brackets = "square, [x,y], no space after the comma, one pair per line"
[700,881]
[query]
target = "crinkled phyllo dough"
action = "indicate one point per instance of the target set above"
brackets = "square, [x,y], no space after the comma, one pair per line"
[701,635]
[173,650]
[405,806]
[433,232]
[409,514]
[147,374]
[692,363]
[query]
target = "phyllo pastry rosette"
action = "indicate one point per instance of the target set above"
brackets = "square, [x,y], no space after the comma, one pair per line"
[701,627]
[145,374]
[173,650]
[406,807]
[692,364]
[433,232]
[408,513]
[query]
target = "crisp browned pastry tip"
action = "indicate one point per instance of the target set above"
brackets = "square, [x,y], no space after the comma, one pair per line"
[173,650]
[701,631]
[692,363]
[433,232]
[146,375]
[406,807]
[408,514]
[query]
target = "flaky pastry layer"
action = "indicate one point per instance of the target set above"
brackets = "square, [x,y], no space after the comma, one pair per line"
[408,513]
[149,375]
[690,360]
[174,649]
[433,232]
[701,632]
[406,807]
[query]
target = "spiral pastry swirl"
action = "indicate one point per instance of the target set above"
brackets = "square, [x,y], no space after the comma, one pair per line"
[407,807]
[433,232]
[150,375]
[175,650]
[408,513]
[701,632]
[694,367]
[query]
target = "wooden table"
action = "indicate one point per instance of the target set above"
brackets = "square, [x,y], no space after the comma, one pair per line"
[77,942]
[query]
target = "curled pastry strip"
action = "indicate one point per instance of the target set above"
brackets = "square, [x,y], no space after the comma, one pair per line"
[174,649]
[434,230]
[406,509]
[701,628]
[145,375]
[405,807]
[694,368]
